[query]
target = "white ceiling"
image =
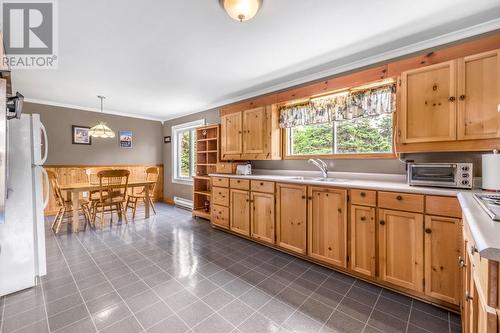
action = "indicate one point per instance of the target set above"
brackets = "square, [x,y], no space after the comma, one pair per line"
[162,59]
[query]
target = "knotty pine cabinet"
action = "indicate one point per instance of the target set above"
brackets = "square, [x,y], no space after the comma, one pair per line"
[240,212]
[444,104]
[251,135]
[262,215]
[401,253]
[363,252]
[291,217]
[327,225]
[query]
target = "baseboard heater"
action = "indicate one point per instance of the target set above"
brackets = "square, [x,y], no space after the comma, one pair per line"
[183,203]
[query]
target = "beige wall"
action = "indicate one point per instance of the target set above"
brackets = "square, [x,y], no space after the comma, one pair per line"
[146,145]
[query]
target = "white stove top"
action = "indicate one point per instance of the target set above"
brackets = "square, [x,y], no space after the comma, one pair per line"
[490,203]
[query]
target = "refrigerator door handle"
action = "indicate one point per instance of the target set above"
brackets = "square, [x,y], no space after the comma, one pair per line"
[46,196]
[45,144]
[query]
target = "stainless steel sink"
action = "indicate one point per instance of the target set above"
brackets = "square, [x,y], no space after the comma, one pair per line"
[320,179]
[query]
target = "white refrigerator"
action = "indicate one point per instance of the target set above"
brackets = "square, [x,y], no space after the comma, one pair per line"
[22,233]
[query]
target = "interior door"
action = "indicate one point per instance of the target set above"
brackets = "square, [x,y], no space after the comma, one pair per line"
[262,217]
[363,240]
[291,217]
[479,96]
[428,103]
[401,248]
[255,131]
[231,134]
[327,225]
[240,212]
[442,250]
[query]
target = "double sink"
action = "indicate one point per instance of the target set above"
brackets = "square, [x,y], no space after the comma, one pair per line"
[319,179]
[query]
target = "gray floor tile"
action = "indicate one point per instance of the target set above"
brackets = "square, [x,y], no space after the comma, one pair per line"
[103,302]
[291,297]
[299,322]
[276,311]
[316,310]
[213,324]
[218,299]
[327,296]
[387,323]
[167,289]
[22,319]
[96,291]
[362,296]
[68,317]
[340,322]
[132,289]
[180,300]
[237,287]
[38,327]
[236,312]
[63,304]
[157,279]
[257,323]
[142,301]
[111,315]
[393,308]
[83,326]
[428,321]
[355,309]
[202,288]
[430,309]
[195,313]
[153,314]
[255,298]
[171,324]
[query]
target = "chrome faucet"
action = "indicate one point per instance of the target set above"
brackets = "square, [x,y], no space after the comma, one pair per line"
[321,165]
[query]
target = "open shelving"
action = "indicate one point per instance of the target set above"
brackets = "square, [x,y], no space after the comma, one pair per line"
[207,156]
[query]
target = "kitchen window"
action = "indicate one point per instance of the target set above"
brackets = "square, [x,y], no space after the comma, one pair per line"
[184,151]
[349,124]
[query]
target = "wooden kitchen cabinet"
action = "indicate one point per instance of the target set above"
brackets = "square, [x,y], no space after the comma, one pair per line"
[401,248]
[363,254]
[428,103]
[231,134]
[262,217]
[442,248]
[240,212]
[327,225]
[479,96]
[251,135]
[291,217]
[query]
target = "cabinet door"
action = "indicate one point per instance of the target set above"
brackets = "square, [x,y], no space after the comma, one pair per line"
[262,217]
[479,96]
[231,134]
[401,250]
[327,225]
[240,212]
[291,217]
[363,240]
[255,134]
[428,104]
[442,250]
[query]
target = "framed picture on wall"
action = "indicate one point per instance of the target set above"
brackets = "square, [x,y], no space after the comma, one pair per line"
[125,139]
[80,135]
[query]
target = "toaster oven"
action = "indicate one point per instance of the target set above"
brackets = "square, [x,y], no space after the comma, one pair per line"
[456,175]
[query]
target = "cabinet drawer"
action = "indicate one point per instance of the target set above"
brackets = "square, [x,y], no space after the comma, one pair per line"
[220,196]
[261,186]
[363,197]
[443,206]
[220,181]
[220,216]
[240,184]
[401,201]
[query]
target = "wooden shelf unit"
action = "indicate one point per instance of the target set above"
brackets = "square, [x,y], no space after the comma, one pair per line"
[207,156]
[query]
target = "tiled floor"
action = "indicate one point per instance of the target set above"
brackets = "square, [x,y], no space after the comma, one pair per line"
[175,274]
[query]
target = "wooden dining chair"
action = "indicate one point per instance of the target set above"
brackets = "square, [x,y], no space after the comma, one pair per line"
[112,193]
[65,212]
[152,175]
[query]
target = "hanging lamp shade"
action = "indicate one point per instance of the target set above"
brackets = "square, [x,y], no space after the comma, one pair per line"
[101,130]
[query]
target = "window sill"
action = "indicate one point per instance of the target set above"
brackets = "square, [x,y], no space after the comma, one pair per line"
[182,182]
[342,156]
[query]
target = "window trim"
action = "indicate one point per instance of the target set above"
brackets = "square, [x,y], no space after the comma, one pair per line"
[175,131]
[391,155]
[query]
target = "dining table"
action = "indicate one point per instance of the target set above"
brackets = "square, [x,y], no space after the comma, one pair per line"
[74,190]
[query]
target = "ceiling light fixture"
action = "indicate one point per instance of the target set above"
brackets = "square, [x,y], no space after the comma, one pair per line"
[101,130]
[241,10]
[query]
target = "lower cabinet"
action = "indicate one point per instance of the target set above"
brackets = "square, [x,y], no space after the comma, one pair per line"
[442,248]
[262,217]
[362,228]
[327,225]
[291,217]
[401,248]
[220,216]
[240,212]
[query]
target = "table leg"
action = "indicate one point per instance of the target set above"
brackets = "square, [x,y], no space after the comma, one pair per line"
[75,226]
[146,204]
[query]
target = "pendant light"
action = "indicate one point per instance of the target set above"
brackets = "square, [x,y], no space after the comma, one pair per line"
[241,10]
[101,130]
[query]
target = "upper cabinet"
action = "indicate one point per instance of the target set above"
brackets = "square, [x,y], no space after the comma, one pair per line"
[428,111]
[479,96]
[451,106]
[251,135]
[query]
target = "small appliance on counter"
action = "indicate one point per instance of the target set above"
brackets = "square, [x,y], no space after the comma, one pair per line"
[455,175]
[491,172]
[244,169]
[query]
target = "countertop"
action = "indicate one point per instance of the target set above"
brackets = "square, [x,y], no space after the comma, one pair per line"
[484,230]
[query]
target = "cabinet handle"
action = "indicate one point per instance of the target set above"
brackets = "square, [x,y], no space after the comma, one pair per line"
[468,297]
[303,197]
[261,184]
[339,210]
[461,262]
[473,249]
[363,218]
[362,194]
[428,230]
[310,198]
[329,248]
[239,132]
[399,198]
[452,99]
[382,222]
[462,97]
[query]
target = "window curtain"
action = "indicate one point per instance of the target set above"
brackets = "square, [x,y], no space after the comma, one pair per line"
[338,107]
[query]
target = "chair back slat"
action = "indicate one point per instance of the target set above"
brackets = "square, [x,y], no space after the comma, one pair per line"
[152,174]
[55,187]
[92,174]
[109,184]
